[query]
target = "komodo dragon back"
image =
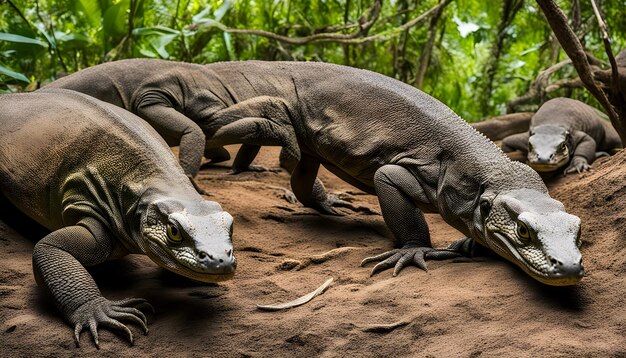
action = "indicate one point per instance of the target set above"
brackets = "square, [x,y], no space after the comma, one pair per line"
[105,184]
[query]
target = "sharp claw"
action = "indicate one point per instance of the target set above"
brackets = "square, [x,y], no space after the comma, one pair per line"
[135,313]
[400,264]
[77,329]
[93,328]
[383,265]
[378,257]
[420,261]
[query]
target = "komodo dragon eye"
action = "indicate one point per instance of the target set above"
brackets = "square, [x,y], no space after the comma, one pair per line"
[173,233]
[522,232]
[562,147]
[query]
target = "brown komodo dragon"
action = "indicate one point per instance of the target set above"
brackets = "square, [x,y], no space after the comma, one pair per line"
[105,184]
[564,131]
[386,138]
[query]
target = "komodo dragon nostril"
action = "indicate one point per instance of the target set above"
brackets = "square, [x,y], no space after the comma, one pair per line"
[554,261]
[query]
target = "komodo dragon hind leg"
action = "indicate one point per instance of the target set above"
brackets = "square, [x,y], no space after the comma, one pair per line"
[398,192]
[59,261]
[310,191]
[244,158]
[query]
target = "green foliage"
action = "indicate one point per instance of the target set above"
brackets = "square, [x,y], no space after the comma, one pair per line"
[41,40]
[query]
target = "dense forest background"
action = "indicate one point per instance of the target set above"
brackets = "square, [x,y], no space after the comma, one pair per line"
[482,58]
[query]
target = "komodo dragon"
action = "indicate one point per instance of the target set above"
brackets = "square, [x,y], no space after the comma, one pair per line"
[182,101]
[106,185]
[390,139]
[564,131]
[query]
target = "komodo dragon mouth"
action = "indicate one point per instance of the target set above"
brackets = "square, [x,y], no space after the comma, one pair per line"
[536,268]
[183,262]
[549,167]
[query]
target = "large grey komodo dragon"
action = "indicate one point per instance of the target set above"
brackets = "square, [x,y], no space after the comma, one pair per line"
[564,131]
[386,138]
[105,184]
[187,105]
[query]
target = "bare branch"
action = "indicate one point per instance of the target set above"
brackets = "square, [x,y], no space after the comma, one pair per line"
[428,48]
[538,87]
[607,45]
[359,37]
[573,48]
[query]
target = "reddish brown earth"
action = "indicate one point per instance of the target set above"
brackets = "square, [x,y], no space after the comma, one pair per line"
[480,307]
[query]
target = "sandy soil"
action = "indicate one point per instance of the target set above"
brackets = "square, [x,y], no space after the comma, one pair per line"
[469,308]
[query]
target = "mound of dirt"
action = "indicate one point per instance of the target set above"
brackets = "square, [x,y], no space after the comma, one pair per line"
[480,307]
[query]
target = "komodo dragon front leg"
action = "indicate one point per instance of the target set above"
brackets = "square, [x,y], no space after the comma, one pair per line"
[584,153]
[398,192]
[59,261]
[177,129]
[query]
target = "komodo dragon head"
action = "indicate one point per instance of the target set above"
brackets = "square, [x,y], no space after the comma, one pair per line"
[190,238]
[533,231]
[549,148]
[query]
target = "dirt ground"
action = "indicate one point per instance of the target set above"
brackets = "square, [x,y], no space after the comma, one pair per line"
[484,307]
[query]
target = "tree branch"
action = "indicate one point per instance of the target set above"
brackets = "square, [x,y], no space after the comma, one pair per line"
[607,46]
[538,87]
[428,48]
[359,37]
[573,48]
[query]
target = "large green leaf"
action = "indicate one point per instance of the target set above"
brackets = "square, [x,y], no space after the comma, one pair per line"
[116,19]
[91,11]
[18,76]
[21,39]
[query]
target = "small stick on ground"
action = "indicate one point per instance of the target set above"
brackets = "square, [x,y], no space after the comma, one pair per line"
[299,301]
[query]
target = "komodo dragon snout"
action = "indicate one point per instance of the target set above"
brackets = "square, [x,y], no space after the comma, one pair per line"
[548,148]
[190,238]
[532,230]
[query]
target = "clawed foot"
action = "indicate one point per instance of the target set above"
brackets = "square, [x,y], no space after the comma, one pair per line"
[332,202]
[578,165]
[102,312]
[400,258]
[254,168]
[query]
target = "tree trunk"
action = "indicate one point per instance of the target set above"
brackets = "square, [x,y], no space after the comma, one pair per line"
[428,48]
[613,100]
[509,10]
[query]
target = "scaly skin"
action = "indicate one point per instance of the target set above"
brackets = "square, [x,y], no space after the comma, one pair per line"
[564,133]
[105,184]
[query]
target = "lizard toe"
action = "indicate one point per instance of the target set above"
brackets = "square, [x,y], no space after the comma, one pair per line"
[103,312]
[401,258]
[378,257]
[388,263]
